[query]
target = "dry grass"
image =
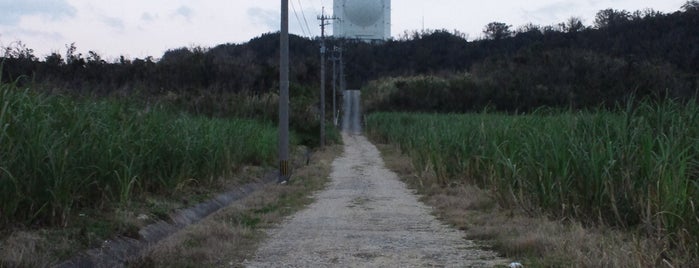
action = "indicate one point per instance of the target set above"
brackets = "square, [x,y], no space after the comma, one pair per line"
[35,248]
[24,248]
[529,237]
[230,236]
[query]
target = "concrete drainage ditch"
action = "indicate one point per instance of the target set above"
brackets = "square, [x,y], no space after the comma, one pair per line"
[119,251]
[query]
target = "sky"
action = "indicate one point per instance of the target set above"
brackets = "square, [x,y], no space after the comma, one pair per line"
[140,28]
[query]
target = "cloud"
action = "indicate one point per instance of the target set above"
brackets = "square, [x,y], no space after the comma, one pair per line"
[11,11]
[54,36]
[264,17]
[270,19]
[115,23]
[185,12]
[148,17]
[34,35]
[551,12]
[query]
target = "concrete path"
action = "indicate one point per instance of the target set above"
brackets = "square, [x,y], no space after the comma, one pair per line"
[367,218]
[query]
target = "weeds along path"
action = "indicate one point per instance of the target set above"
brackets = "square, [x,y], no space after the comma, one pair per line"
[367,217]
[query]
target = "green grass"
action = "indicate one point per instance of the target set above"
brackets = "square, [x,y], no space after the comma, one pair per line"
[636,169]
[59,155]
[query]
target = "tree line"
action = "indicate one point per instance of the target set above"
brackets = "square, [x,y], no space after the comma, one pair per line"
[248,67]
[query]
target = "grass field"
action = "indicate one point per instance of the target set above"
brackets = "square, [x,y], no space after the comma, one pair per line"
[636,169]
[59,155]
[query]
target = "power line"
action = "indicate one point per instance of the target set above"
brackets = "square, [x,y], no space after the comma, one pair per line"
[298,19]
[304,18]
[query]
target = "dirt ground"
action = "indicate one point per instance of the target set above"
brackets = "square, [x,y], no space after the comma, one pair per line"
[367,217]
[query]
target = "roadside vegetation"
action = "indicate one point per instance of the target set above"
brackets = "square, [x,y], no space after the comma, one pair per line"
[62,155]
[634,169]
[534,239]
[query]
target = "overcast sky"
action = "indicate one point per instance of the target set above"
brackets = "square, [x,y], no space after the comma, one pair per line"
[140,28]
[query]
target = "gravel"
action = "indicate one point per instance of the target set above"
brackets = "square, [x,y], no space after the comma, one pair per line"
[367,217]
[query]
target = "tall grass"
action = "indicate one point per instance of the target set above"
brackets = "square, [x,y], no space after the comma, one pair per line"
[59,155]
[638,168]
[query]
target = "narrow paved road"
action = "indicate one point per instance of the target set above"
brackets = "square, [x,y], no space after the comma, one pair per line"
[367,218]
[351,116]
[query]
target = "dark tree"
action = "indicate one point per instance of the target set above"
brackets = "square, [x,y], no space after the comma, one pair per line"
[529,28]
[19,50]
[573,25]
[54,59]
[611,17]
[647,13]
[497,31]
[692,5]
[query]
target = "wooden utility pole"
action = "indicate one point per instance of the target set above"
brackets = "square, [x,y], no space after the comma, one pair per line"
[323,22]
[334,59]
[343,83]
[284,172]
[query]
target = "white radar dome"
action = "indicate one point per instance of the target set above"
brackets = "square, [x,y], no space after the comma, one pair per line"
[363,12]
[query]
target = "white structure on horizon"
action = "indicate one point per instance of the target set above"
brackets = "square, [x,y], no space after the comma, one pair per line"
[367,20]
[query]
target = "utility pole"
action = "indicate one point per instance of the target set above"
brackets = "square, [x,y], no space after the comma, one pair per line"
[284,172]
[323,23]
[343,83]
[334,59]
